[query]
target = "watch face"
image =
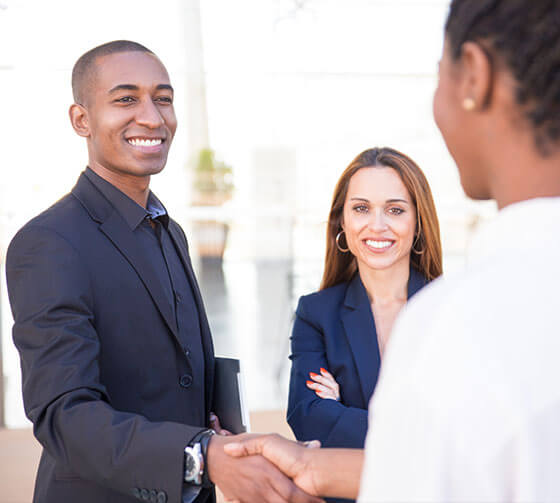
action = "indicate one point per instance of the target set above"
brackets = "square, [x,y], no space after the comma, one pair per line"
[190,465]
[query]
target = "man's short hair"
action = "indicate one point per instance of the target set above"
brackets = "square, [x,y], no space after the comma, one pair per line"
[83,72]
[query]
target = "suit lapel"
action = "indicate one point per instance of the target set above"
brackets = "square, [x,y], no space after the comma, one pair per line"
[183,253]
[181,246]
[359,326]
[360,330]
[118,232]
[416,281]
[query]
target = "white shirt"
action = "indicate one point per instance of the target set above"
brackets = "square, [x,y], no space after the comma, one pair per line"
[467,407]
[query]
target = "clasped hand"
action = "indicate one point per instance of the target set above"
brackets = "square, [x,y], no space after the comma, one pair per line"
[245,477]
[285,460]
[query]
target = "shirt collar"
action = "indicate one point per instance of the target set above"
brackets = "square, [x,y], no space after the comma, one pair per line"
[131,211]
[516,227]
[156,209]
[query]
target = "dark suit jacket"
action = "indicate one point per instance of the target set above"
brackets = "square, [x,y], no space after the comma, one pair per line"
[334,329]
[101,357]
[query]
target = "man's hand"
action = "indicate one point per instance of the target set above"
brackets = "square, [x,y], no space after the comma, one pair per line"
[251,478]
[214,422]
[290,457]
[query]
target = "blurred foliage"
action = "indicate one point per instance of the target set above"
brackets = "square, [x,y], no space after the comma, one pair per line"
[212,180]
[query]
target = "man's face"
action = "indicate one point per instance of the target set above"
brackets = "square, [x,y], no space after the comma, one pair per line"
[130,115]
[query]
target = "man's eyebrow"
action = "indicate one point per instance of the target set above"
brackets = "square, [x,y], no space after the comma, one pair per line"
[133,87]
[127,87]
[165,86]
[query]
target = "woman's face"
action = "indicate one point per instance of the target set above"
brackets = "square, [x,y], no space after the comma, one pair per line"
[379,218]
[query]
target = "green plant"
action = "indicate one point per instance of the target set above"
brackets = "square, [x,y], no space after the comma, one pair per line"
[213,179]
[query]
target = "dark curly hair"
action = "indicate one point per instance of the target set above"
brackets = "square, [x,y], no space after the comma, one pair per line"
[524,35]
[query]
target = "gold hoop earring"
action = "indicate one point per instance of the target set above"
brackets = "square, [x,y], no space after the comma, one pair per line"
[418,252]
[469,104]
[337,239]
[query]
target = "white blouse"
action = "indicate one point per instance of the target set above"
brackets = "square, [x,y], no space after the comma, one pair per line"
[467,407]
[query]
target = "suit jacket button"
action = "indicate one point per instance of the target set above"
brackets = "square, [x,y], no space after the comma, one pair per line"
[161,497]
[186,380]
[144,494]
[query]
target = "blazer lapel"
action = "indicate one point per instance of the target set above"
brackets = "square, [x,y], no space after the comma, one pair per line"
[416,281]
[116,229]
[359,326]
[181,246]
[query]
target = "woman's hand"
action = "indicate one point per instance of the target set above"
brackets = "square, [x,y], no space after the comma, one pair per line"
[290,457]
[324,385]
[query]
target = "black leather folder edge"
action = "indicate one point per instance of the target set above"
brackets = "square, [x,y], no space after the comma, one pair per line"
[229,396]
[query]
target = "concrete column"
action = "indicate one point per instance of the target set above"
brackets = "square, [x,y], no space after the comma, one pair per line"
[197,114]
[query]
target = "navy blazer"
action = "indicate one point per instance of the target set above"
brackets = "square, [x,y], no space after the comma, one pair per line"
[101,356]
[334,329]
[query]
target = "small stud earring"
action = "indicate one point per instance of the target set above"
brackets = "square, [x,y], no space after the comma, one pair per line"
[469,104]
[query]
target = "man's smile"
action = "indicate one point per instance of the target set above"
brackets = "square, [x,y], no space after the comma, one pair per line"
[145,142]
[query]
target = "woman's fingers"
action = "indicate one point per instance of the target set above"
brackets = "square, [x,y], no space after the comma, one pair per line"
[323,391]
[326,381]
[324,384]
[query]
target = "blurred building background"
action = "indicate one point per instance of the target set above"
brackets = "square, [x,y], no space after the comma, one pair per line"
[285,92]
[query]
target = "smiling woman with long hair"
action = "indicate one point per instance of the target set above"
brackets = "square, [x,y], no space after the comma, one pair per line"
[383,245]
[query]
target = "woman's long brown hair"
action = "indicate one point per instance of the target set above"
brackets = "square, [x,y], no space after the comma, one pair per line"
[339,266]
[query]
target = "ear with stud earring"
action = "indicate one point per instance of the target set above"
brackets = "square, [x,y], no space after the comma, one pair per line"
[469,104]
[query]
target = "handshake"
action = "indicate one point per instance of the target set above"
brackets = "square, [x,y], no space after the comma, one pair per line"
[270,468]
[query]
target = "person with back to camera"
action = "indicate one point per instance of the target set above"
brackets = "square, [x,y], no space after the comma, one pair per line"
[383,246]
[468,404]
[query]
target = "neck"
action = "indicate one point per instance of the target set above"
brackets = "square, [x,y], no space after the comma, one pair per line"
[517,170]
[527,179]
[384,286]
[135,187]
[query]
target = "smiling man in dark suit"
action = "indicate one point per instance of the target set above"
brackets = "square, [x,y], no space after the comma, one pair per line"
[116,353]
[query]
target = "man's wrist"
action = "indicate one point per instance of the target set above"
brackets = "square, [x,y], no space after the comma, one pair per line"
[204,441]
[196,459]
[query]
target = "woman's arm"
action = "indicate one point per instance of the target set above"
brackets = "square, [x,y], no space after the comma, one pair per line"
[310,416]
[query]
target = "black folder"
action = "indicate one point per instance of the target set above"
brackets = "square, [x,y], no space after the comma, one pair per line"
[229,396]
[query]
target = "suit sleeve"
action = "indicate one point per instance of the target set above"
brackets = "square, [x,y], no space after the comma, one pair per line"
[309,416]
[54,331]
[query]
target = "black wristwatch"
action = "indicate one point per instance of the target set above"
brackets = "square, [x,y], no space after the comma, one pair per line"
[196,471]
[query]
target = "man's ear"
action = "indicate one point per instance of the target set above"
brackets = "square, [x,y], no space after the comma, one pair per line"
[476,79]
[79,119]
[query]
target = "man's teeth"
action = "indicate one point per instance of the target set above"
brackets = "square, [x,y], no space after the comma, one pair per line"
[138,142]
[379,244]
